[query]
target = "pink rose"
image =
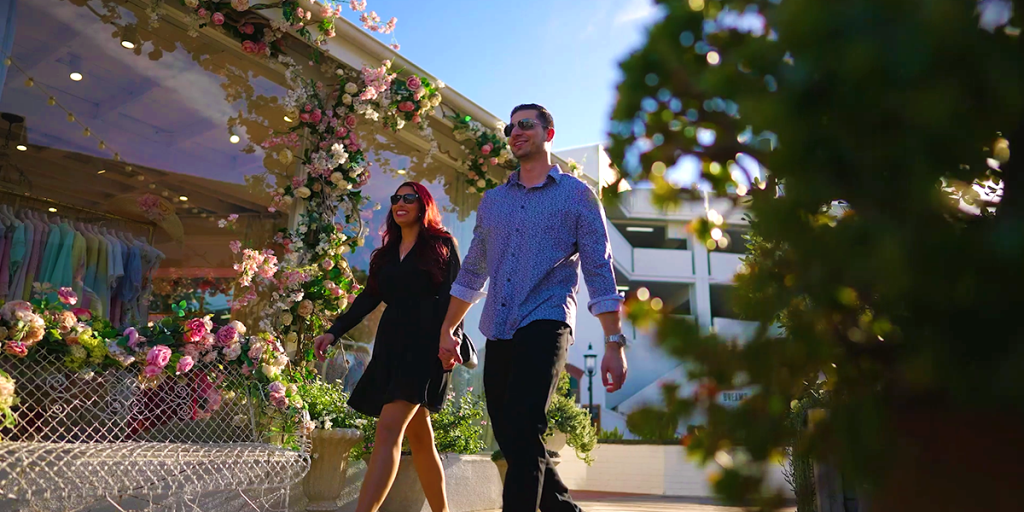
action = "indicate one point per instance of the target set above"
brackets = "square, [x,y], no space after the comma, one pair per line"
[350,121]
[351,298]
[246,369]
[316,116]
[202,12]
[300,12]
[232,352]
[304,117]
[330,33]
[66,321]
[218,18]
[16,348]
[276,390]
[308,107]
[486,149]
[235,246]
[413,83]
[210,357]
[83,314]
[406,106]
[250,47]
[227,335]
[191,351]
[207,341]
[247,28]
[197,325]
[158,356]
[336,292]
[133,338]
[152,371]
[185,364]
[67,296]
[341,133]
[416,118]
[261,48]
[494,161]
[327,264]
[256,351]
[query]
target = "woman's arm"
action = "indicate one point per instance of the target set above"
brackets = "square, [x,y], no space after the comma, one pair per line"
[364,304]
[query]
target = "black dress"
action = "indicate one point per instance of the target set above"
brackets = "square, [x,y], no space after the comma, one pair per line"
[404,364]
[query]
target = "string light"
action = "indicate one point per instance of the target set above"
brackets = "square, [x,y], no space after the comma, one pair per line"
[21,147]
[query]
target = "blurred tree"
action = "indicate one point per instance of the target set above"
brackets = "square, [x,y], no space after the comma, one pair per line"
[870,141]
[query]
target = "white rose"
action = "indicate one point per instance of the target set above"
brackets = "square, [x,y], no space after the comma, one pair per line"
[481,183]
[351,88]
[287,200]
[424,104]
[238,326]
[292,338]
[435,100]
[286,319]
[231,353]
[192,3]
[346,99]
[285,156]
[471,190]
[281,360]
[302,192]
[270,371]
[400,124]
[337,178]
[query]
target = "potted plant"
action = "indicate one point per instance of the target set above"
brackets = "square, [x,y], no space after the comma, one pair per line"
[569,424]
[335,433]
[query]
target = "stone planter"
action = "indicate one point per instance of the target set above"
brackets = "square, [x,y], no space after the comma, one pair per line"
[472,483]
[555,443]
[325,480]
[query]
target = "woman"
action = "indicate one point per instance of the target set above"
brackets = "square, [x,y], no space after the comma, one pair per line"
[412,272]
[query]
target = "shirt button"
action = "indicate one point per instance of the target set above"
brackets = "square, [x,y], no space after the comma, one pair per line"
[509,280]
[523,207]
[502,304]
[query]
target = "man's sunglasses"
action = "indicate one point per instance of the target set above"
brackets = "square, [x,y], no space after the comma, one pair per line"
[526,124]
[405,198]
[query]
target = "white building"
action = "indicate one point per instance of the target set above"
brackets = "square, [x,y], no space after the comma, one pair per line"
[653,250]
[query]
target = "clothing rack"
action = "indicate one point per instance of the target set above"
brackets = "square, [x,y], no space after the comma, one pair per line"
[27,200]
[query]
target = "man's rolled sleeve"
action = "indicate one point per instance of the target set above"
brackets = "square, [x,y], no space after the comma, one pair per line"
[596,256]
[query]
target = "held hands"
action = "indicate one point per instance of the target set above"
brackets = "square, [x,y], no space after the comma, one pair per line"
[321,344]
[613,367]
[448,350]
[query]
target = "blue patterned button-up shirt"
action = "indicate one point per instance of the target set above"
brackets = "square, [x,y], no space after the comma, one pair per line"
[531,243]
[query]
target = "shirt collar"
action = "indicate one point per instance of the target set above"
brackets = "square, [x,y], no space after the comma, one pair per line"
[555,174]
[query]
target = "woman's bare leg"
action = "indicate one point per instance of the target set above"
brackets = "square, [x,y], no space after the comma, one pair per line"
[387,450]
[428,464]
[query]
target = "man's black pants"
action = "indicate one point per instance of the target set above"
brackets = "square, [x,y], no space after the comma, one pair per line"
[520,376]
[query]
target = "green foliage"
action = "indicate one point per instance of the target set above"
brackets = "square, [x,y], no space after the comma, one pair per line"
[610,435]
[327,404]
[799,471]
[570,419]
[886,236]
[458,426]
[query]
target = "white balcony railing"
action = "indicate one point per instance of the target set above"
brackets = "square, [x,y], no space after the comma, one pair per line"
[724,266]
[662,264]
[637,204]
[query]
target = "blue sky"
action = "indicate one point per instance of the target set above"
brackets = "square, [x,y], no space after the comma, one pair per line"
[563,54]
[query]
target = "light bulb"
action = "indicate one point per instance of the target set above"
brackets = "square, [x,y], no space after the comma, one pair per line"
[101,171]
[234,138]
[183,198]
[21,147]
[52,209]
[76,76]
[128,45]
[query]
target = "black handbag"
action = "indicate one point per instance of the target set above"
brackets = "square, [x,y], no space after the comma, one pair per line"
[467,349]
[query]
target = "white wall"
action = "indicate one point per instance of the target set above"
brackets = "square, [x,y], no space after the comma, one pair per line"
[647,469]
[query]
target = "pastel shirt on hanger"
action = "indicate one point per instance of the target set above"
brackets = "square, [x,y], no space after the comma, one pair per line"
[16,251]
[39,246]
[18,286]
[102,280]
[53,243]
[60,273]
[5,261]
[79,252]
[92,257]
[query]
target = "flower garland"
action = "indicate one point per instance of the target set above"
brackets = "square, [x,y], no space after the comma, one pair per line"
[260,37]
[485,148]
[175,348]
[298,294]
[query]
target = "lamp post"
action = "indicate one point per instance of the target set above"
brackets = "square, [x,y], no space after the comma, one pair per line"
[590,364]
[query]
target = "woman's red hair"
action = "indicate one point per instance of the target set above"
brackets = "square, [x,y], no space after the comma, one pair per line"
[432,255]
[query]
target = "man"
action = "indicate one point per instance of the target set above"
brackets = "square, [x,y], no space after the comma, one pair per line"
[531,237]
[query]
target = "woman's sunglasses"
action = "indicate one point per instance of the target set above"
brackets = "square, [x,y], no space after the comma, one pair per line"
[405,198]
[526,124]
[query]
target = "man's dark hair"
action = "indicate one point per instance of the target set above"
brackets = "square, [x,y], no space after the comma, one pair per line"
[542,114]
